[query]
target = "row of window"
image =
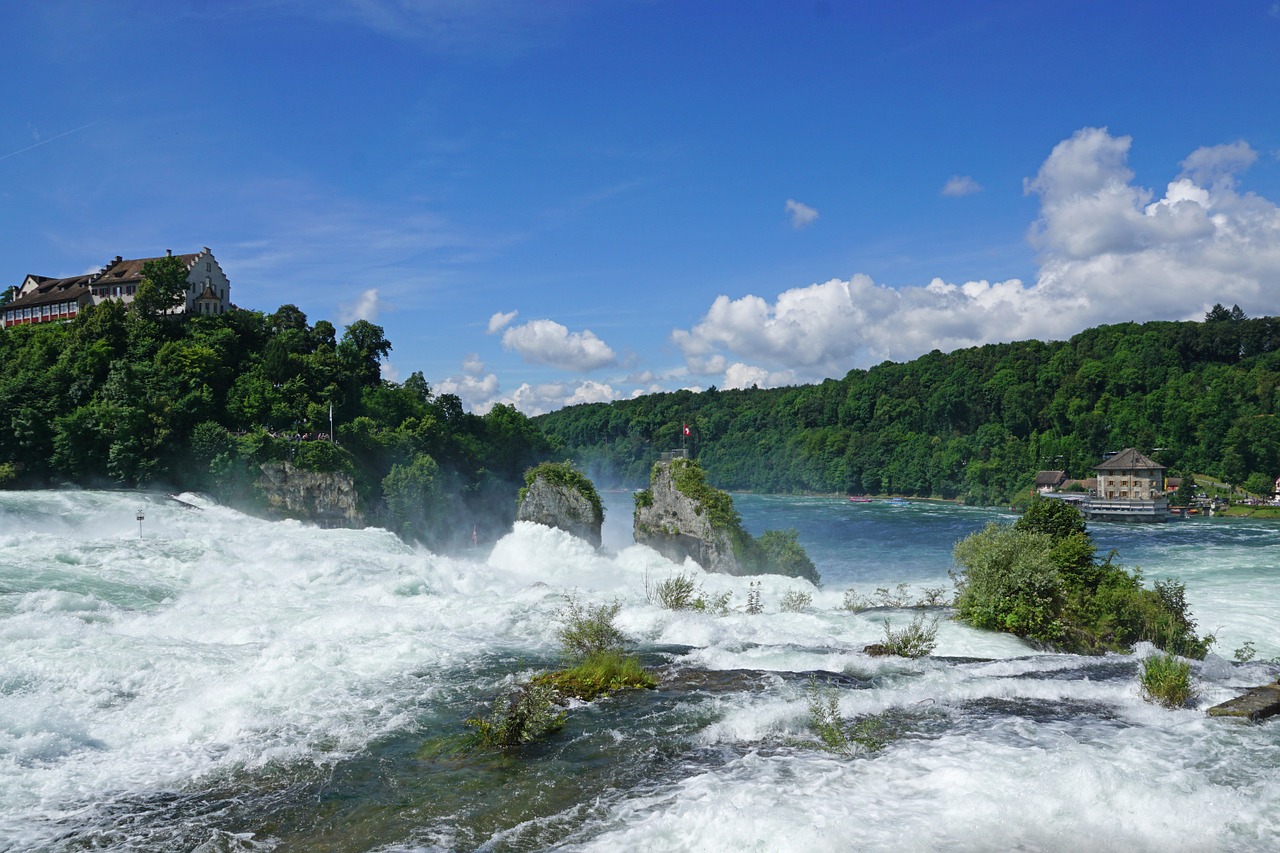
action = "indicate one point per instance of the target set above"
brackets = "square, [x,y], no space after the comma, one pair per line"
[117,291]
[39,313]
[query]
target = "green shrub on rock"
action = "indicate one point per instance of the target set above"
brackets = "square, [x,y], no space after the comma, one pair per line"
[527,714]
[1040,579]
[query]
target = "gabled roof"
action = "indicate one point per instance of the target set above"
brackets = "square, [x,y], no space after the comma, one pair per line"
[125,271]
[1049,478]
[51,290]
[1126,460]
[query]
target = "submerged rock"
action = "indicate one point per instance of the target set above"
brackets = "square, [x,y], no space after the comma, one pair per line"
[558,495]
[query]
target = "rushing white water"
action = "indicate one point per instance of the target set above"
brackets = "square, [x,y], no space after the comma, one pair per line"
[228,683]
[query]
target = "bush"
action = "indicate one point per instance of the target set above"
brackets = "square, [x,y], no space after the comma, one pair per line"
[795,601]
[825,722]
[587,630]
[781,553]
[1041,581]
[917,640]
[526,715]
[682,592]
[322,456]
[1166,680]
[1009,583]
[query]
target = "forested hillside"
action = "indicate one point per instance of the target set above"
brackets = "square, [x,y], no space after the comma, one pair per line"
[121,396]
[974,424]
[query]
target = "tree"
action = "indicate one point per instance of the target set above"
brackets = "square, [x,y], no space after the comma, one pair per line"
[414,499]
[1056,518]
[163,287]
[361,350]
[1186,493]
[1259,484]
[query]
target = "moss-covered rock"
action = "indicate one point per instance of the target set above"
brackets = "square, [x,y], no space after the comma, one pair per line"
[682,516]
[558,495]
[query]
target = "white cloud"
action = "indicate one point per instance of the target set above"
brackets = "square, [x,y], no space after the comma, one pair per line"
[478,393]
[389,371]
[1218,163]
[1110,252]
[543,398]
[739,375]
[548,342]
[472,365]
[366,307]
[960,185]
[801,214]
[499,321]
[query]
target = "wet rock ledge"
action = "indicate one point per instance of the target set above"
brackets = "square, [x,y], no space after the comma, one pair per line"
[1257,704]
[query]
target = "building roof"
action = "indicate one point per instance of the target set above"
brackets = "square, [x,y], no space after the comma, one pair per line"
[51,290]
[124,271]
[1127,460]
[117,271]
[1049,478]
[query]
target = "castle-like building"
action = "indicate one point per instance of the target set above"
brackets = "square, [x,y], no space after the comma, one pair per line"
[40,299]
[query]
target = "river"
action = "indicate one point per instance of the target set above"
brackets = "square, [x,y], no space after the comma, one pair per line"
[224,683]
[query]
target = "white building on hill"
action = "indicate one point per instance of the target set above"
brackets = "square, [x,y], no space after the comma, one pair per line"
[40,299]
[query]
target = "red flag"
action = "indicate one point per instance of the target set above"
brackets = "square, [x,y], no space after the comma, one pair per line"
[686,429]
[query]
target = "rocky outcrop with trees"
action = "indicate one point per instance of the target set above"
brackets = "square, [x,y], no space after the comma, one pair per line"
[558,495]
[683,517]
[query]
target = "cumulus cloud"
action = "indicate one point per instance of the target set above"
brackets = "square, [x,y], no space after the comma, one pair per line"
[547,397]
[366,307]
[472,365]
[801,214]
[500,320]
[960,185]
[1110,251]
[478,393]
[1218,163]
[548,342]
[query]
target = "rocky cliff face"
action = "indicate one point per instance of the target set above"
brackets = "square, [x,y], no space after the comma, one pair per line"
[678,526]
[560,505]
[326,497]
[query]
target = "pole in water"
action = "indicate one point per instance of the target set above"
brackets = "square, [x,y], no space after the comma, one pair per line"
[140,518]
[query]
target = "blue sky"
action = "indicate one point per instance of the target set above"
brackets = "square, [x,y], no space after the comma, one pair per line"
[553,202]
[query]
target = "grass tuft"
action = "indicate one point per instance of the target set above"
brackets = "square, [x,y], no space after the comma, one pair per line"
[1166,680]
[598,675]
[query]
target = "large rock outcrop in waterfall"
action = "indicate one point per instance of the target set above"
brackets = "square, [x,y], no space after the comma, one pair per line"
[696,522]
[325,497]
[681,516]
[558,495]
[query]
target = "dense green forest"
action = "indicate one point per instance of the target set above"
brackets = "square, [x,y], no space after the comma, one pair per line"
[974,424]
[123,395]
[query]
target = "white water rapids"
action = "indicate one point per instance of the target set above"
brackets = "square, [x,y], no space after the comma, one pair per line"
[227,683]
